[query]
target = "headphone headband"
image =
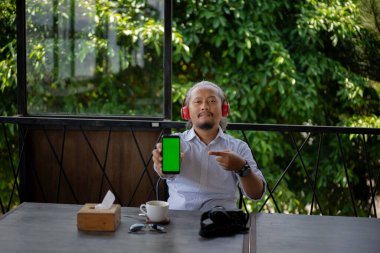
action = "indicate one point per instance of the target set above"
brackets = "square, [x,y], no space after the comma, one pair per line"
[185,113]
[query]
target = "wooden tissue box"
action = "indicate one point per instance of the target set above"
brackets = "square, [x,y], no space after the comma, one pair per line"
[91,219]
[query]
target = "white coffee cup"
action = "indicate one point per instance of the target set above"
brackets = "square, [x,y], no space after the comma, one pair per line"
[155,210]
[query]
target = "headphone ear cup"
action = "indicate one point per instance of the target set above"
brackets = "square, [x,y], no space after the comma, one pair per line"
[185,113]
[225,109]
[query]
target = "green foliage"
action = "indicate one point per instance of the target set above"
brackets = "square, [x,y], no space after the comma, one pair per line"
[273,53]
[104,59]
[7,97]
[288,63]
[8,57]
[8,187]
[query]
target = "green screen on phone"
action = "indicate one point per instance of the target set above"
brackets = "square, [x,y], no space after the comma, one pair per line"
[170,154]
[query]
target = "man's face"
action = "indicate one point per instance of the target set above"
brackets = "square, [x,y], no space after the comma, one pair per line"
[205,108]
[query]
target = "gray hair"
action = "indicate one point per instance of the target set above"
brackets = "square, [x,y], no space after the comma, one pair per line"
[223,122]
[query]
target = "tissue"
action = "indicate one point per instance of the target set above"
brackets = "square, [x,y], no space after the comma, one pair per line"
[107,201]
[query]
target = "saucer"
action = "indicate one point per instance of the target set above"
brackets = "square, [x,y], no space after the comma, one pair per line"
[164,222]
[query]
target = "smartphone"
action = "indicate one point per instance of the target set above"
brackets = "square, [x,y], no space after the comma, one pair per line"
[171,154]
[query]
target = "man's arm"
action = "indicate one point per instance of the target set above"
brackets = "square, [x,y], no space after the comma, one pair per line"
[157,160]
[252,184]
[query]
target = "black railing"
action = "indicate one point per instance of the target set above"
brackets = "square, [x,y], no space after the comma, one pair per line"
[356,149]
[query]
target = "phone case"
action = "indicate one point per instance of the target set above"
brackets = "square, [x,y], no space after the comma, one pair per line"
[171,154]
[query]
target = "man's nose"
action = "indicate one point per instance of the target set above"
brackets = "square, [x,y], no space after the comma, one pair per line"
[205,106]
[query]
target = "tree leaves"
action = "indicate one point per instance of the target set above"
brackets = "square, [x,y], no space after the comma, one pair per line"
[277,59]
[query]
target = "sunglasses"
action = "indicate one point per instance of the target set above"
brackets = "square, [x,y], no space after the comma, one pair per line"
[153,227]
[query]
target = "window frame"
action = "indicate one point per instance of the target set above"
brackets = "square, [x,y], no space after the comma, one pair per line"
[21,69]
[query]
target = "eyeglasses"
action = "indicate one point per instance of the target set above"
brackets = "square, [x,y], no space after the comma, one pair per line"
[139,226]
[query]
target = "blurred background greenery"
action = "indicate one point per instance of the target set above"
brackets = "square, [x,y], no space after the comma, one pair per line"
[279,62]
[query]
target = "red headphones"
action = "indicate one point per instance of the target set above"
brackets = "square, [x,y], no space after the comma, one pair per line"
[185,113]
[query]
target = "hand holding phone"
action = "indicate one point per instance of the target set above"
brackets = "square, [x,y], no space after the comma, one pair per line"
[171,154]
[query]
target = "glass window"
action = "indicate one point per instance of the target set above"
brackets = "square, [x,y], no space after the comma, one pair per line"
[95,57]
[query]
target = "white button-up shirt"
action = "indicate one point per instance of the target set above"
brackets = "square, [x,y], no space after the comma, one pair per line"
[202,182]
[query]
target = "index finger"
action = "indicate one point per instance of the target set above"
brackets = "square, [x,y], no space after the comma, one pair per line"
[218,153]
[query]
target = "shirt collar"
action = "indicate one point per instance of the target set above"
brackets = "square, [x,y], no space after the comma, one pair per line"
[191,134]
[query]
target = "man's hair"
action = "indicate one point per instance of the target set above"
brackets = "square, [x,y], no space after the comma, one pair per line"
[223,122]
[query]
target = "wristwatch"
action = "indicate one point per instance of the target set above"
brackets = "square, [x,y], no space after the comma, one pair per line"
[244,171]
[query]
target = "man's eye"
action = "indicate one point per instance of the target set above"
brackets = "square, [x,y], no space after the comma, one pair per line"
[212,100]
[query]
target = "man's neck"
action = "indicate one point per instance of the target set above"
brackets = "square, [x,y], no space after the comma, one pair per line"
[206,136]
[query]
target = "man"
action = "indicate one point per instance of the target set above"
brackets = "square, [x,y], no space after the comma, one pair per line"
[213,163]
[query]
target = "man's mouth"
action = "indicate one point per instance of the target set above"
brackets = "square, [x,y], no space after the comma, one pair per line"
[210,114]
